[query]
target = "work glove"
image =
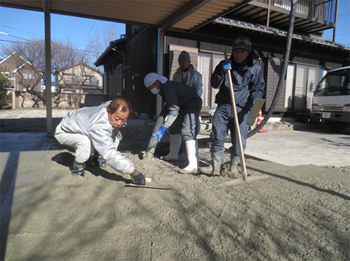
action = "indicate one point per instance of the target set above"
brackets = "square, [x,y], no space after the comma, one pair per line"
[226,65]
[138,178]
[160,132]
[250,105]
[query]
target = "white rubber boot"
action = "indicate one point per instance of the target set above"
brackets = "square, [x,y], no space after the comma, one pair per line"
[175,143]
[192,166]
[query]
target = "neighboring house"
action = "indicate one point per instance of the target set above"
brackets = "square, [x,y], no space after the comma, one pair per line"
[23,75]
[113,78]
[311,56]
[123,80]
[79,78]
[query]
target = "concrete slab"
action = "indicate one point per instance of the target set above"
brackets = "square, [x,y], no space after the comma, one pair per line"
[293,148]
[25,162]
[26,141]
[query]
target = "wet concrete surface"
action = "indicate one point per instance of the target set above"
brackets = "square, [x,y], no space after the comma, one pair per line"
[26,158]
[298,147]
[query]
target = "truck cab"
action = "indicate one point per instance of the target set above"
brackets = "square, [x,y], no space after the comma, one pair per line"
[331,100]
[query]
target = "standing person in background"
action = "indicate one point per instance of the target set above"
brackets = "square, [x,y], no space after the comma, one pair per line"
[188,75]
[248,84]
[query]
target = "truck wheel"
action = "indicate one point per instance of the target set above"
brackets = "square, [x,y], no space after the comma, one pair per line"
[333,126]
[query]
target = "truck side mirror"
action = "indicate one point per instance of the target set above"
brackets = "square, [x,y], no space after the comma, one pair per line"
[311,86]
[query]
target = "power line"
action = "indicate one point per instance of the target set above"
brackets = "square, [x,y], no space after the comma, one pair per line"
[88,33]
[20,29]
[10,41]
[78,50]
[39,35]
[16,36]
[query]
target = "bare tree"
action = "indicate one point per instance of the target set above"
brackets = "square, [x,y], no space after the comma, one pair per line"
[100,40]
[33,52]
[72,80]
[4,84]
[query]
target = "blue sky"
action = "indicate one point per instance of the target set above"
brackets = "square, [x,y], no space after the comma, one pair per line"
[342,35]
[17,24]
[20,24]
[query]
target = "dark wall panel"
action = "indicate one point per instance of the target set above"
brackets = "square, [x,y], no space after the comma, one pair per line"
[141,59]
[141,56]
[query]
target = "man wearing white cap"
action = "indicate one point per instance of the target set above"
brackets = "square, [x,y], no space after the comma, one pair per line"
[188,75]
[182,107]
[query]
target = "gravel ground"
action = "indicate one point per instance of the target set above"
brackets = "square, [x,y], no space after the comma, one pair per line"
[279,213]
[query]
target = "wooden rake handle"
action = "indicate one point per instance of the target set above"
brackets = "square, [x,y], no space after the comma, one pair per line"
[238,130]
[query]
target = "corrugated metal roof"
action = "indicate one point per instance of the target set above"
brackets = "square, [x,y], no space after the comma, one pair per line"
[166,14]
[276,32]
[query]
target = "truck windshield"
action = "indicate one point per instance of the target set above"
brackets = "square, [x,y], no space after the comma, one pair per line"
[334,84]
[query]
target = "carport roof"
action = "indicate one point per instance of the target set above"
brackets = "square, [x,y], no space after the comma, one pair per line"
[184,15]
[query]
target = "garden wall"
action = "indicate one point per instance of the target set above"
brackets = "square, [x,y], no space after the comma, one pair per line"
[61,101]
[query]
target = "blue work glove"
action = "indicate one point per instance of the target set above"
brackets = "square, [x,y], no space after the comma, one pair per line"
[160,132]
[250,104]
[226,65]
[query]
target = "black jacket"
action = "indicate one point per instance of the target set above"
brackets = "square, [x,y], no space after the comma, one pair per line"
[248,82]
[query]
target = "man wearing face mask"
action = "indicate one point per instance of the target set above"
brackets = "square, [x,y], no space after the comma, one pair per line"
[182,106]
[97,128]
[188,75]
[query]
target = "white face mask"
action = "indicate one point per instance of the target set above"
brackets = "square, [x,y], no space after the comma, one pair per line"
[155,90]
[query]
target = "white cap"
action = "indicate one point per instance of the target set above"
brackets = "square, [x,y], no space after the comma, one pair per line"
[152,77]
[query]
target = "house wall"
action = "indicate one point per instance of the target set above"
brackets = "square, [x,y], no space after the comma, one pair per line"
[10,65]
[268,48]
[27,100]
[26,77]
[17,68]
[211,43]
[74,78]
[61,101]
[114,77]
[141,58]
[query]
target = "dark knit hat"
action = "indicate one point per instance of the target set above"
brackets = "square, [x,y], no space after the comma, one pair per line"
[241,43]
[184,56]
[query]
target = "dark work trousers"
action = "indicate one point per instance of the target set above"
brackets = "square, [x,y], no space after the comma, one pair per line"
[187,125]
[224,121]
[187,122]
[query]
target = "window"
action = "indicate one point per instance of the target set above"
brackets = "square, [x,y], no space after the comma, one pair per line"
[25,76]
[334,84]
[31,76]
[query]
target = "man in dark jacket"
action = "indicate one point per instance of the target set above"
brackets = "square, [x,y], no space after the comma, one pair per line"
[188,75]
[248,84]
[182,107]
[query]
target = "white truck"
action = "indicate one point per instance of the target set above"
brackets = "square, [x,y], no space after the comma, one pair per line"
[331,100]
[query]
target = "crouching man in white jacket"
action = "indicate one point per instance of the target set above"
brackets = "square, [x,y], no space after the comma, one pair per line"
[97,128]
